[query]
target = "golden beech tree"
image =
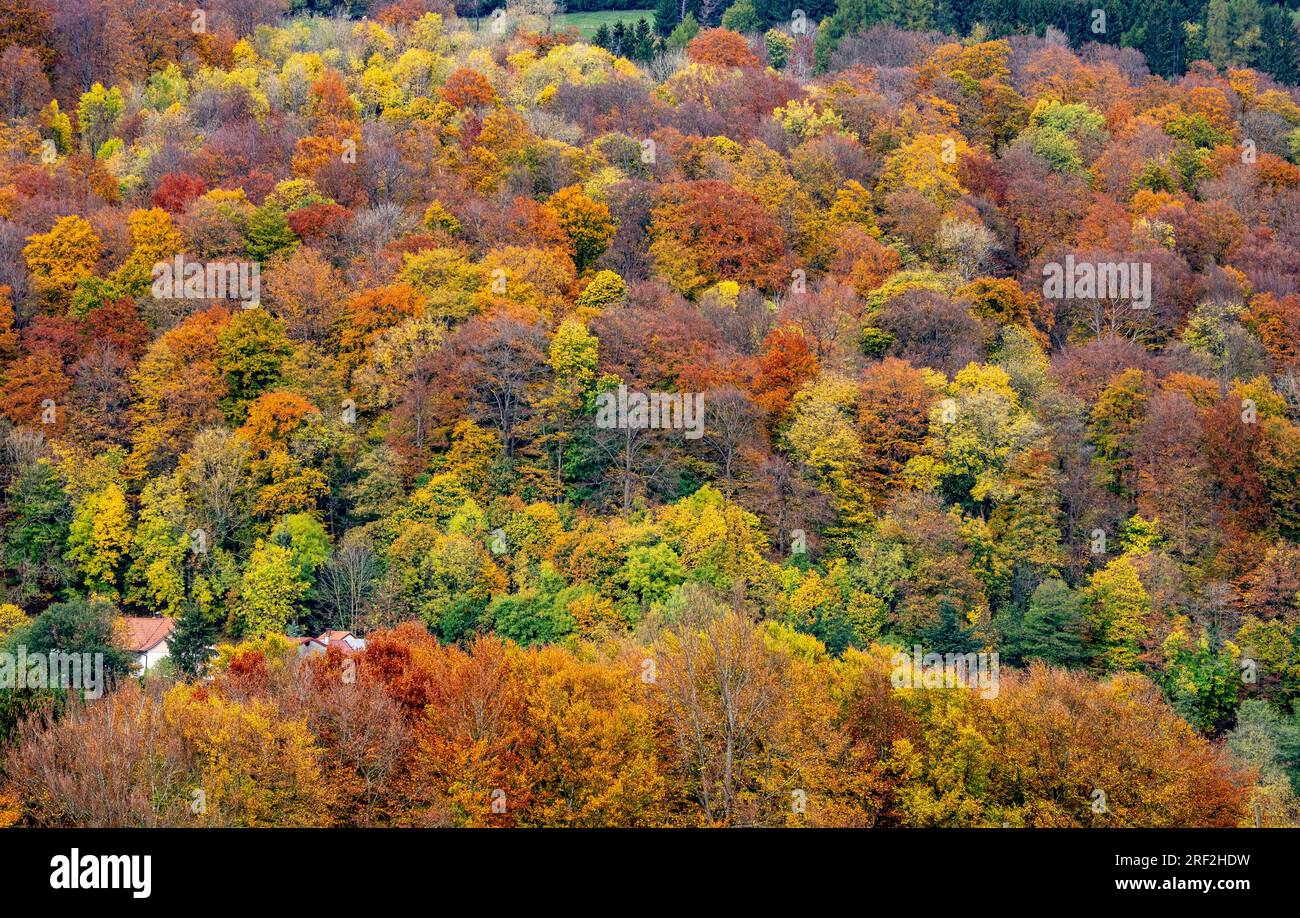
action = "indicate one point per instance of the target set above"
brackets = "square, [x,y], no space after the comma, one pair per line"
[180,388]
[1058,749]
[722,48]
[893,420]
[709,231]
[373,311]
[259,768]
[188,758]
[586,222]
[62,257]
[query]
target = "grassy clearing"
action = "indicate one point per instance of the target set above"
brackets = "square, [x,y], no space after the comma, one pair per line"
[588,23]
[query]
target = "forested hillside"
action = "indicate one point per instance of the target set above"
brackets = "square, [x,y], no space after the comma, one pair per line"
[657,415]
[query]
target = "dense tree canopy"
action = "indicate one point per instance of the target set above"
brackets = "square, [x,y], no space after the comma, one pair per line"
[643,403]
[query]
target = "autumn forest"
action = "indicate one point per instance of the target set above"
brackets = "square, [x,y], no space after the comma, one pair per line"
[865,415]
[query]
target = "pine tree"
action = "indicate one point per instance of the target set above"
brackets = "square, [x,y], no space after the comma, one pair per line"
[1052,629]
[191,642]
[1280,52]
[948,635]
[1161,37]
[643,42]
[683,32]
[667,15]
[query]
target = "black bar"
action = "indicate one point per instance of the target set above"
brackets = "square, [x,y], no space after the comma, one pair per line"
[534,868]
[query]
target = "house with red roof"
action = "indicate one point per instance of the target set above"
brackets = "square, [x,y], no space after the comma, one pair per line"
[345,641]
[147,638]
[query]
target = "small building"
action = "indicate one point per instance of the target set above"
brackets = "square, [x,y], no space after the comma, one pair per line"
[307,646]
[147,638]
[345,641]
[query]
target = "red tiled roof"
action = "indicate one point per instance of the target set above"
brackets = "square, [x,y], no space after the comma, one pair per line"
[144,634]
[342,640]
